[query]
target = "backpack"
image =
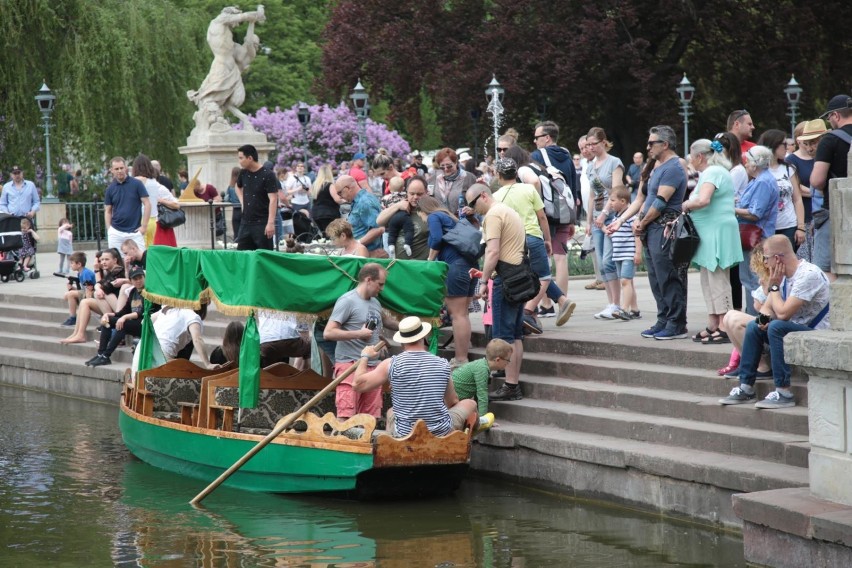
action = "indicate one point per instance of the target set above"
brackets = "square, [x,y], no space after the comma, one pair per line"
[558,198]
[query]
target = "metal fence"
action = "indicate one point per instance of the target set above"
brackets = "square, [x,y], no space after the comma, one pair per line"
[88,220]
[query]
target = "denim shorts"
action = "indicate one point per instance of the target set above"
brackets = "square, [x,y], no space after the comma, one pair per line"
[507,319]
[625,269]
[459,282]
[539,262]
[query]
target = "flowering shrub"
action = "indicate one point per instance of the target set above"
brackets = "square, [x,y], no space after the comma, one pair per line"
[332,135]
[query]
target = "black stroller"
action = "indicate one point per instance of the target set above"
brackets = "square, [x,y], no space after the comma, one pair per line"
[11,242]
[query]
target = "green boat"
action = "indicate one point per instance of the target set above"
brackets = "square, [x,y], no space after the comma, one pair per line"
[197,422]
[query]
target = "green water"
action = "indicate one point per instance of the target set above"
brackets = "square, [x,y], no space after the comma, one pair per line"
[72,495]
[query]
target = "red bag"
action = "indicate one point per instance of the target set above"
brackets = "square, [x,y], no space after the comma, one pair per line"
[750,235]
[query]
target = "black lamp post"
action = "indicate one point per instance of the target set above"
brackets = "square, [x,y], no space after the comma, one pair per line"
[46,100]
[542,105]
[794,96]
[360,99]
[685,91]
[475,114]
[304,115]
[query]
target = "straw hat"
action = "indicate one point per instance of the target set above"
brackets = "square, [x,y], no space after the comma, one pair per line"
[813,129]
[411,329]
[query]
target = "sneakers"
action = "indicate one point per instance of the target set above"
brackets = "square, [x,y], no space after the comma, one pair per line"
[565,311]
[93,359]
[486,421]
[666,334]
[606,313]
[70,322]
[506,392]
[653,330]
[737,396]
[547,312]
[620,314]
[733,373]
[634,314]
[532,326]
[776,400]
[100,360]
[593,285]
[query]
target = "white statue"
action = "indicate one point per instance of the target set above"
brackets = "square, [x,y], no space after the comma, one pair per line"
[223,88]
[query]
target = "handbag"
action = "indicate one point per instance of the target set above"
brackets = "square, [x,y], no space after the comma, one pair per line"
[170,218]
[466,239]
[683,239]
[750,235]
[520,283]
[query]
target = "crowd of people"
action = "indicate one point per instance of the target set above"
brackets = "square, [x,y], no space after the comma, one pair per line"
[760,210]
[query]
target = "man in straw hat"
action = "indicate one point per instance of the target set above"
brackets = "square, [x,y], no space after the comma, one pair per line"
[420,384]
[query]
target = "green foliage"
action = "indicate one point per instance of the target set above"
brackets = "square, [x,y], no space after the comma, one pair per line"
[431,136]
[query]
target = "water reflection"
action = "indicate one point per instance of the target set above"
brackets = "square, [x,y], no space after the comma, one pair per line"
[71,495]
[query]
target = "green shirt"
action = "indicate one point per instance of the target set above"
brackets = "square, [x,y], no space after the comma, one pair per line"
[471,381]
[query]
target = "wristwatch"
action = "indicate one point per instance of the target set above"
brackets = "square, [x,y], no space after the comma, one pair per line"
[774,288]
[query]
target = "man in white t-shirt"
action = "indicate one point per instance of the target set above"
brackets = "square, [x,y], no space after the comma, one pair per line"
[298,187]
[797,300]
[177,328]
[280,338]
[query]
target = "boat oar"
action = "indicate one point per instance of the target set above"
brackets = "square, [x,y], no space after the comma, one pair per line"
[280,427]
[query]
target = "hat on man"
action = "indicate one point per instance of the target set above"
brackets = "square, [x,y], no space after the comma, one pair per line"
[359,156]
[16,169]
[813,129]
[838,102]
[505,166]
[411,329]
[136,271]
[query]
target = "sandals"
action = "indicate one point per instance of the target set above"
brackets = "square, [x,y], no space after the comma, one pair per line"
[702,335]
[718,337]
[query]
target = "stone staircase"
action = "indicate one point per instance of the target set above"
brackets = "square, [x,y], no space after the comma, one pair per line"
[639,421]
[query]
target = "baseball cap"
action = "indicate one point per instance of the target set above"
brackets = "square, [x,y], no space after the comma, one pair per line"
[837,102]
[16,169]
[505,166]
[136,271]
[359,156]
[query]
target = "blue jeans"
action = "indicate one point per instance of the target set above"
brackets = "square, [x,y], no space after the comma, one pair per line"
[603,250]
[666,285]
[750,282]
[507,319]
[753,343]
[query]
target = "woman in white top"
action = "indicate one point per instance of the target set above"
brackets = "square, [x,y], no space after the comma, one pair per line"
[158,194]
[791,211]
[298,188]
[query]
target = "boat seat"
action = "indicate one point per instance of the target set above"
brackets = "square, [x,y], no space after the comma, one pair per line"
[169,416]
[169,392]
[272,404]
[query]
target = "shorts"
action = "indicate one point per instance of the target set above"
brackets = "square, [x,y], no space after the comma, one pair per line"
[716,287]
[822,246]
[507,319]
[625,269]
[539,262]
[459,282]
[560,236]
[348,402]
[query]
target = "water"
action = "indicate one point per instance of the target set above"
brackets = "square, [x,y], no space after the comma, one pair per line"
[71,495]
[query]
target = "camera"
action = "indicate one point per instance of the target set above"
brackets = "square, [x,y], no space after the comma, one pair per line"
[763,319]
[372,324]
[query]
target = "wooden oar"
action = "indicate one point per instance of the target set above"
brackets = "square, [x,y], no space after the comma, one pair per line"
[280,427]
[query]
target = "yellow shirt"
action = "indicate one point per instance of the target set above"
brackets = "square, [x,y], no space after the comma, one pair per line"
[523,198]
[501,222]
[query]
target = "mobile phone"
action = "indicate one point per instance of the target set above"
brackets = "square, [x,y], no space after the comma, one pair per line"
[372,324]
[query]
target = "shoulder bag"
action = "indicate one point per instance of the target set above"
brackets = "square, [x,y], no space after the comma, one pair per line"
[683,239]
[466,239]
[750,235]
[520,284]
[170,218]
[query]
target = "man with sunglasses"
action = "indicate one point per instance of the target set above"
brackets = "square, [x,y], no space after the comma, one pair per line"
[796,300]
[830,162]
[545,136]
[741,126]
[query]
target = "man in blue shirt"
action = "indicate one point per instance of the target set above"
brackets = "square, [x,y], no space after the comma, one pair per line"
[20,196]
[362,217]
[126,207]
[666,190]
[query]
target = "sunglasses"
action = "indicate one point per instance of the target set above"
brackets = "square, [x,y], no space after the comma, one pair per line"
[537,136]
[501,149]
[652,142]
[447,166]
[738,114]
[472,204]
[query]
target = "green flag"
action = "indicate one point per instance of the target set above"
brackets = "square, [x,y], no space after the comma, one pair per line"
[250,364]
[150,353]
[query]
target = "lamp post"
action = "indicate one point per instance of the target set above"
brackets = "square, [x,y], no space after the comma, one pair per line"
[475,114]
[304,115]
[794,95]
[46,100]
[685,91]
[494,95]
[359,98]
[541,106]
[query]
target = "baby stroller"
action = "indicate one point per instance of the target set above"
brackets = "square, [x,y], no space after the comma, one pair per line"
[305,228]
[11,242]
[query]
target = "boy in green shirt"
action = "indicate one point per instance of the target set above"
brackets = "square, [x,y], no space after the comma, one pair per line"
[471,380]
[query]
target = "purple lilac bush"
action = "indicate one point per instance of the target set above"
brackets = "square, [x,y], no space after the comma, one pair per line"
[332,135]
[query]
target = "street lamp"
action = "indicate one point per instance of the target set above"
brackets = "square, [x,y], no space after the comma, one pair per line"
[359,98]
[794,95]
[304,115]
[46,100]
[475,114]
[541,106]
[494,95]
[685,91]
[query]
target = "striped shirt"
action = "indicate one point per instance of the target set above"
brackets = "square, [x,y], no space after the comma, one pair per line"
[418,382]
[623,242]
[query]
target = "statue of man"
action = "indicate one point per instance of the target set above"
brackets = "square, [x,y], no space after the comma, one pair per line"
[223,88]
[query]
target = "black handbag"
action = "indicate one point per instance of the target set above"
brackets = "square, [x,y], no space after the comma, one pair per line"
[170,218]
[520,283]
[683,239]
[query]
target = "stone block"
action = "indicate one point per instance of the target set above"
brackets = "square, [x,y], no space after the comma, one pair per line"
[833,526]
[786,510]
[841,225]
[826,414]
[763,546]
[826,350]
[829,475]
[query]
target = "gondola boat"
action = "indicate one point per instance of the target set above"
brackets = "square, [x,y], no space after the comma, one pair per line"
[197,422]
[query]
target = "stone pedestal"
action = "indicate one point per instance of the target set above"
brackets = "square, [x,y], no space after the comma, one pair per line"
[47,220]
[216,154]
